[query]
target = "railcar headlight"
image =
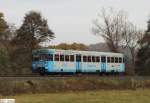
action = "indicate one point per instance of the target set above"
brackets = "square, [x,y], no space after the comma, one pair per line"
[46,66]
[33,65]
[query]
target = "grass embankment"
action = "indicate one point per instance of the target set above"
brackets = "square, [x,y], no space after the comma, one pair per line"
[52,85]
[112,96]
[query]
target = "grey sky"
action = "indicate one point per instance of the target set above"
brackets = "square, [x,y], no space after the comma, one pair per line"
[71,20]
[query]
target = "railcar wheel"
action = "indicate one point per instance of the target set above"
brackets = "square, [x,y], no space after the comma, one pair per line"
[42,71]
[122,74]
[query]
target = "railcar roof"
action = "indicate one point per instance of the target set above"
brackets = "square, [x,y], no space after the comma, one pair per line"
[75,52]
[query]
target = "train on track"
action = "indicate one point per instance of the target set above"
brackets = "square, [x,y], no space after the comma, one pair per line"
[55,61]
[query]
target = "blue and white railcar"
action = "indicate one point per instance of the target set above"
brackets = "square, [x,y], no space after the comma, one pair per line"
[71,61]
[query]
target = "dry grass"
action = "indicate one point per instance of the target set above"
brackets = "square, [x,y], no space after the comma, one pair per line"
[23,86]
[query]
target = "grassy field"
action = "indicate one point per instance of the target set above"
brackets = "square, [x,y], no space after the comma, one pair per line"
[111,96]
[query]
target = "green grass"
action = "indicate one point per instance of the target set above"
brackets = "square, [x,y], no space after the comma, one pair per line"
[111,96]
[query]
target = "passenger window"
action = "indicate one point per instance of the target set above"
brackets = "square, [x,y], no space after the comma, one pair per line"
[97,59]
[56,57]
[108,59]
[103,59]
[61,57]
[71,58]
[84,58]
[67,58]
[120,60]
[93,58]
[78,58]
[89,58]
[112,59]
[50,57]
[116,59]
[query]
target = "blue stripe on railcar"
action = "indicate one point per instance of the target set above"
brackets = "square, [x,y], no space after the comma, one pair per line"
[50,66]
[103,67]
[78,67]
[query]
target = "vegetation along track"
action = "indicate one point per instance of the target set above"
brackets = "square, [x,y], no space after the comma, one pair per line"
[48,84]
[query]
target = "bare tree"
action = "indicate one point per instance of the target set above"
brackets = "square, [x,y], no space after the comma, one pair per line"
[118,32]
[131,38]
[110,25]
[116,29]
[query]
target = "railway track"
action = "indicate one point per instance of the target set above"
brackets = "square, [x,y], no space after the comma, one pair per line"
[76,77]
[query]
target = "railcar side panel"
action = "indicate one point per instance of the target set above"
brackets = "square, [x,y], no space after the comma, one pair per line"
[91,67]
[64,67]
[122,68]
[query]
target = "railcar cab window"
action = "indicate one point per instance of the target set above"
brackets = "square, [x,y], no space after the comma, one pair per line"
[116,59]
[97,59]
[67,58]
[56,57]
[62,58]
[50,57]
[108,59]
[84,58]
[46,57]
[72,58]
[89,58]
[36,57]
[103,59]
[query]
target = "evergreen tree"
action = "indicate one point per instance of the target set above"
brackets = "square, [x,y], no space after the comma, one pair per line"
[143,56]
[3,27]
[33,31]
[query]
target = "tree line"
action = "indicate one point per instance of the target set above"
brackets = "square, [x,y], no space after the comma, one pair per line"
[17,45]
[121,35]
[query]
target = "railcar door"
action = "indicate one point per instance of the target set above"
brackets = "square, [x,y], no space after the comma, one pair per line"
[103,63]
[78,63]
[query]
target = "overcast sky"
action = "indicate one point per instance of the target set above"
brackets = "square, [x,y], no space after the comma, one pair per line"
[71,20]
